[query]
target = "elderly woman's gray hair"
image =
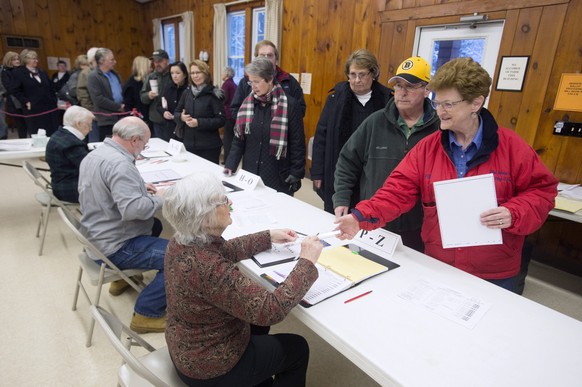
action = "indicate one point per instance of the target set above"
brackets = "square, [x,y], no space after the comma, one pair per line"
[128,127]
[229,72]
[76,114]
[261,67]
[189,207]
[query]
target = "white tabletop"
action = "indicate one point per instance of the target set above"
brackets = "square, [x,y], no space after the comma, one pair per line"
[398,343]
[21,154]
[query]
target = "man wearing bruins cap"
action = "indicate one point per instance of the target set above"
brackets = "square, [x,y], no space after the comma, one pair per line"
[382,140]
[161,76]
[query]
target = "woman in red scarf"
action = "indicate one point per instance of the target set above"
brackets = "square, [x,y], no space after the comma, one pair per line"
[269,132]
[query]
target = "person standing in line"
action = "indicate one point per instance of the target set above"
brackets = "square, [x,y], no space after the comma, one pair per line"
[153,89]
[141,67]
[33,88]
[470,143]
[61,76]
[349,103]
[382,141]
[83,92]
[104,85]
[229,88]
[200,111]
[172,95]
[11,61]
[269,133]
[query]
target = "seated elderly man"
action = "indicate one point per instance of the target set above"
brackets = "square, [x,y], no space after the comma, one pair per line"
[118,217]
[65,151]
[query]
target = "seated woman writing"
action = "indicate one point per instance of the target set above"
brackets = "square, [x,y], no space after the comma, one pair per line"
[211,304]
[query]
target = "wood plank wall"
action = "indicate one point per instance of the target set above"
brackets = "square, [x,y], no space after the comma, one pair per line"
[69,27]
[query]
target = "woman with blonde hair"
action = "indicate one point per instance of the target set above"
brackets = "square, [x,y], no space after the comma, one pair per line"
[141,67]
[10,62]
[35,92]
[201,110]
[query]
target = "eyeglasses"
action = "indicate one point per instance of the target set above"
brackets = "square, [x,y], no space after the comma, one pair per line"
[254,83]
[408,87]
[195,72]
[354,76]
[224,202]
[445,105]
[270,55]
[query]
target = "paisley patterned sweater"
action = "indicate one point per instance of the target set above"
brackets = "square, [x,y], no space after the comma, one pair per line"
[211,304]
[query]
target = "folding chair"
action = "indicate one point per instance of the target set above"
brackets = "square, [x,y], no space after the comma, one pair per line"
[46,199]
[155,368]
[98,274]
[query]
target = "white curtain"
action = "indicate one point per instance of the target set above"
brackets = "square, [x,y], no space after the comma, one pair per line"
[220,55]
[274,20]
[188,21]
[157,33]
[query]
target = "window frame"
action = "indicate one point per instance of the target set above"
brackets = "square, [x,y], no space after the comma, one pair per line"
[249,13]
[178,31]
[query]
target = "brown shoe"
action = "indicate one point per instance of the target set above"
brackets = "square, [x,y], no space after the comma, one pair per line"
[143,324]
[120,286]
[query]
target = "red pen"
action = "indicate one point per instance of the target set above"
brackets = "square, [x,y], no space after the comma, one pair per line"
[356,297]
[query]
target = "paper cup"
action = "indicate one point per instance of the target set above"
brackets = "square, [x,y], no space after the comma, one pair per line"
[154,85]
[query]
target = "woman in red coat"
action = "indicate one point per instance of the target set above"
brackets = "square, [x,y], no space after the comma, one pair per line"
[470,143]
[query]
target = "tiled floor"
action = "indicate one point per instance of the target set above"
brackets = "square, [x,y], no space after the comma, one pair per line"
[42,339]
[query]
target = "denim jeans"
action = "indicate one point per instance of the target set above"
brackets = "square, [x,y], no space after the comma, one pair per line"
[145,252]
[510,283]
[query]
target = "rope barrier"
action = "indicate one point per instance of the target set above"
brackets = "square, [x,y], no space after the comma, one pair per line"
[132,112]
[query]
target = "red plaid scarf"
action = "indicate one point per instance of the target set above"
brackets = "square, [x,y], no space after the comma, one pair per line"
[279,124]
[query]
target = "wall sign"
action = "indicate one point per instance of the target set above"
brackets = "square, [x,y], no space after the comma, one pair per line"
[569,95]
[512,73]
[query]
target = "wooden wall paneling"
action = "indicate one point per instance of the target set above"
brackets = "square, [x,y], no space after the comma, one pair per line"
[387,66]
[394,10]
[496,104]
[562,154]
[296,45]
[522,39]
[308,44]
[539,71]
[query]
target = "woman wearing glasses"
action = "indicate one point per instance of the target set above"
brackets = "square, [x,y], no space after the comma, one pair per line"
[268,132]
[470,143]
[348,104]
[211,304]
[200,113]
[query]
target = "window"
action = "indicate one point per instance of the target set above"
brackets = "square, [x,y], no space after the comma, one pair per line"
[439,44]
[245,26]
[173,38]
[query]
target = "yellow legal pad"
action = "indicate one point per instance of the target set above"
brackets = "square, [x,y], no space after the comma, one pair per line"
[350,265]
[569,205]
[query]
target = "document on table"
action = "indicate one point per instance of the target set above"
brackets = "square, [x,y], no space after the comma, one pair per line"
[446,302]
[339,268]
[278,253]
[154,153]
[160,176]
[459,203]
[19,145]
[569,205]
